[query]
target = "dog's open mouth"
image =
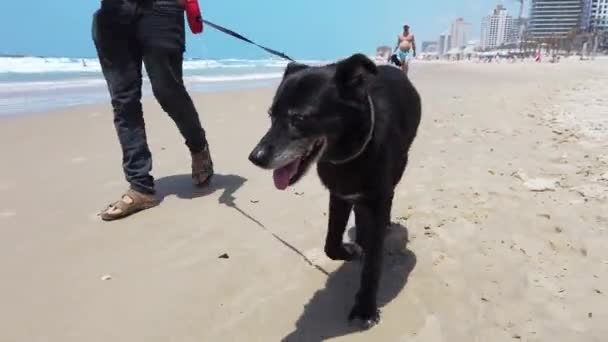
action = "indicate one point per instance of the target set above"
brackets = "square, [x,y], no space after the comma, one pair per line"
[292,172]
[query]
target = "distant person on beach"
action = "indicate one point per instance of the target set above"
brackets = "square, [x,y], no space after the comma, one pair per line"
[406,47]
[127,33]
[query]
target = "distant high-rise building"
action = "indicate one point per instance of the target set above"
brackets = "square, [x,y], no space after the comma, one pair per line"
[554,18]
[595,15]
[498,28]
[444,43]
[459,32]
[430,46]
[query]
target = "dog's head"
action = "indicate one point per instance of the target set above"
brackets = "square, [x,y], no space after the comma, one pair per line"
[314,112]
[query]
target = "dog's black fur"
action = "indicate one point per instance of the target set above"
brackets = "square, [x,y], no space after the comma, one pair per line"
[324,114]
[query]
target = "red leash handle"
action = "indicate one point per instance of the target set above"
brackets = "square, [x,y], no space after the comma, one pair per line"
[195,18]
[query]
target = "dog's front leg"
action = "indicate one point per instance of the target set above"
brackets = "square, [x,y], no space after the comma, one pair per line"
[361,231]
[373,218]
[339,211]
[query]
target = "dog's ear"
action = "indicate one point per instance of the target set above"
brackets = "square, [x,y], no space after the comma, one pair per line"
[354,72]
[294,67]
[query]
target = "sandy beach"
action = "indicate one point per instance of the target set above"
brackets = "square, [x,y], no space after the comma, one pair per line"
[500,223]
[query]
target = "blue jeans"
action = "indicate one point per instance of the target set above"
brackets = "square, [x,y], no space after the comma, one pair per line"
[126,34]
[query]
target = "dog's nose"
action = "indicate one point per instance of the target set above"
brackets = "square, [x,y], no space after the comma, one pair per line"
[260,156]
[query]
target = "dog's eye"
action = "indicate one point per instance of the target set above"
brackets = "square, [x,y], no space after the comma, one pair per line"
[297,118]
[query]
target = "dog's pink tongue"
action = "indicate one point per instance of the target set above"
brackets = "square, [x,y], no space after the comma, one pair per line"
[283,175]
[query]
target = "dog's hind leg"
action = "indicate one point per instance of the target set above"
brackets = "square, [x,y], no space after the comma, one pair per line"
[373,215]
[335,248]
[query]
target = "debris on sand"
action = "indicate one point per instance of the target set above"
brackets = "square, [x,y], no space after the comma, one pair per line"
[536,184]
[592,191]
[254,201]
[541,184]
[520,174]
[224,256]
[106,277]
[571,138]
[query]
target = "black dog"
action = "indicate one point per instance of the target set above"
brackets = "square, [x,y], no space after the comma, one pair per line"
[357,120]
[395,60]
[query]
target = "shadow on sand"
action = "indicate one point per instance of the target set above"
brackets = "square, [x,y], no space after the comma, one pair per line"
[181,186]
[325,315]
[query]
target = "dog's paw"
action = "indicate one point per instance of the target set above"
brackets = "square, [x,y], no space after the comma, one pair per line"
[364,318]
[360,242]
[346,252]
[353,251]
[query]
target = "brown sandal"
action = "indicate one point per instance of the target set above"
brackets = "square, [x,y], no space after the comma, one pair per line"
[202,168]
[130,203]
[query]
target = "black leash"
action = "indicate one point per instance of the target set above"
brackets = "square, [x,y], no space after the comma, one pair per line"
[282,55]
[238,36]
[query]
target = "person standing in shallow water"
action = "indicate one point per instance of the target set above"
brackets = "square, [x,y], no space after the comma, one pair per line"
[126,34]
[406,47]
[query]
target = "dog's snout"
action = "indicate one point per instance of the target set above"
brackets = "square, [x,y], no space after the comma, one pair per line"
[260,156]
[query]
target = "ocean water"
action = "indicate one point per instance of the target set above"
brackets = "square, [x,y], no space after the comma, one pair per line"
[38,84]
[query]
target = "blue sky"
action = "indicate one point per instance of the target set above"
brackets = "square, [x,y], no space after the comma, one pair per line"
[304,29]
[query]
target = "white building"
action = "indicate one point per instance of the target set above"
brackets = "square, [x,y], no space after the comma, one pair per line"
[595,15]
[460,33]
[444,43]
[498,28]
[430,47]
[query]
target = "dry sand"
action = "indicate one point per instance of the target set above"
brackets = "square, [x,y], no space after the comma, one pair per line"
[488,259]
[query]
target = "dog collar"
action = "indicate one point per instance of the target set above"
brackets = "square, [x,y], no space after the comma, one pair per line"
[372,112]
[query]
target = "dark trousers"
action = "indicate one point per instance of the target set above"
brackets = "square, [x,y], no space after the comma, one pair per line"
[127,33]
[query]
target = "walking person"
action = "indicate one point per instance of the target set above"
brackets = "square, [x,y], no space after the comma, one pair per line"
[406,42]
[126,34]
